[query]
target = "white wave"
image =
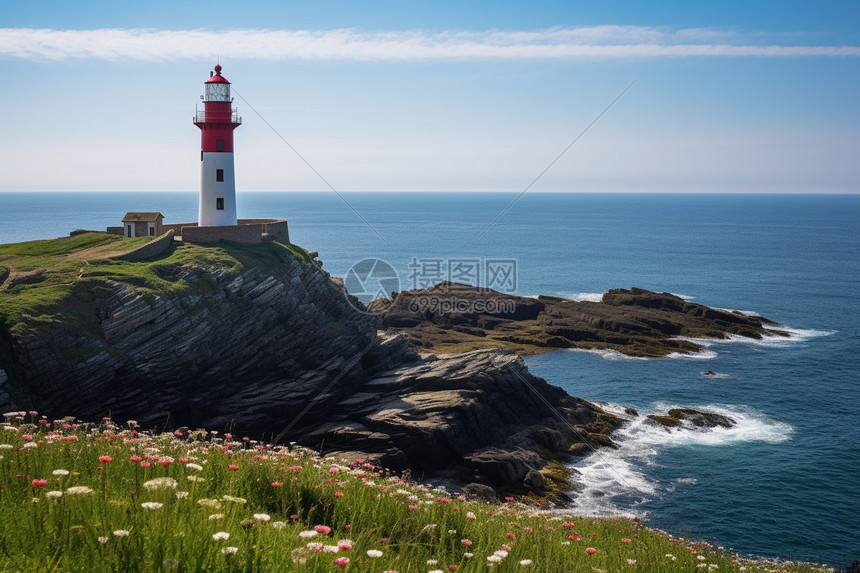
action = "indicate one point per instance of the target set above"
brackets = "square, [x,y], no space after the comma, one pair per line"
[616,482]
[610,354]
[683,296]
[736,311]
[799,334]
[700,355]
[587,296]
[607,353]
[795,335]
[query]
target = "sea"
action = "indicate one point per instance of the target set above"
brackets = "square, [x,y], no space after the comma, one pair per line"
[783,483]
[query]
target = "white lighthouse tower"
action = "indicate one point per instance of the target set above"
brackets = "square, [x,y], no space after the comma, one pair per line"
[217,121]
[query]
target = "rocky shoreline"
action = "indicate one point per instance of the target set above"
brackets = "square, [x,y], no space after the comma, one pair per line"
[451,317]
[259,340]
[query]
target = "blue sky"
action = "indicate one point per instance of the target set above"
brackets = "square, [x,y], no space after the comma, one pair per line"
[448,96]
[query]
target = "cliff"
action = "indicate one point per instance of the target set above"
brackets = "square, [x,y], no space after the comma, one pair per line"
[258,338]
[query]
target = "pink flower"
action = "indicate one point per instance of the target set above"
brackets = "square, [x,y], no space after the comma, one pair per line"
[233,468]
[452,567]
[338,494]
[466,542]
[333,470]
[325,529]
[40,482]
[625,540]
[26,437]
[183,460]
[590,550]
[342,561]
[165,462]
[508,498]
[33,413]
[511,535]
[294,517]
[105,459]
[135,459]
[277,484]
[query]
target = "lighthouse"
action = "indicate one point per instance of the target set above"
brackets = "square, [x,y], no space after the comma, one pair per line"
[217,121]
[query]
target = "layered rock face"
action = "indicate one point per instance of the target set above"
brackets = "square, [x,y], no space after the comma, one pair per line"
[251,349]
[474,417]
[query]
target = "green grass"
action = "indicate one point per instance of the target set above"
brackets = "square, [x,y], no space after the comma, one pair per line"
[250,507]
[58,280]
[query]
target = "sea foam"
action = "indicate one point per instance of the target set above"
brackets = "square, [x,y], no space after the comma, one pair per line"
[616,482]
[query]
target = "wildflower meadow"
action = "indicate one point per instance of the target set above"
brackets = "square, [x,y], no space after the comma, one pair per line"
[109,498]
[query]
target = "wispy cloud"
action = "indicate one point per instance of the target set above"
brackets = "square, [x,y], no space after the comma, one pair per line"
[349,44]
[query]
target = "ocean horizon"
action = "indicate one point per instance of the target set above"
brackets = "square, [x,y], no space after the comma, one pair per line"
[780,484]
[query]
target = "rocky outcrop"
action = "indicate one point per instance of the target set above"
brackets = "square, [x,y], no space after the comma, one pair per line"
[692,418]
[475,417]
[450,317]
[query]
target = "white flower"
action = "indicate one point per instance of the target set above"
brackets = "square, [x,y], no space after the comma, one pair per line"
[53,494]
[308,534]
[181,495]
[151,505]
[197,479]
[331,548]
[60,472]
[214,503]
[432,562]
[221,535]
[526,562]
[215,516]
[234,499]
[79,490]
[494,558]
[279,524]
[160,483]
[631,562]
[262,516]
[229,550]
[104,539]
[121,533]
[374,553]
[468,555]
[501,553]
[700,557]
[195,467]
[30,445]
[470,515]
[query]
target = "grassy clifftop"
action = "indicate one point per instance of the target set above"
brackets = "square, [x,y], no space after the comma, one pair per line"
[58,278]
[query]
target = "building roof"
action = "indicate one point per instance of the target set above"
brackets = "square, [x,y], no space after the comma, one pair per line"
[140,217]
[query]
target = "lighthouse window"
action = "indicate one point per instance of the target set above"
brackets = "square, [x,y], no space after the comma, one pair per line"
[219,175]
[219,203]
[219,145]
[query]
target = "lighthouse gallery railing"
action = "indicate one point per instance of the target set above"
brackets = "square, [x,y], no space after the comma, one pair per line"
[200,116]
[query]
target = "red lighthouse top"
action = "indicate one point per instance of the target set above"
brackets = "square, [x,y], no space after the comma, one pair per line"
[217,78]
[218,118]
